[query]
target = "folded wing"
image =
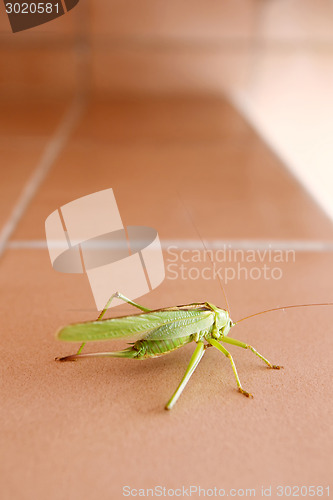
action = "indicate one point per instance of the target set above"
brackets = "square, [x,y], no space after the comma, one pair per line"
[156,325]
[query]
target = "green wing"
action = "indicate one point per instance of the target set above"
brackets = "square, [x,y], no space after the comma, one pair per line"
[156,325]
[177,324]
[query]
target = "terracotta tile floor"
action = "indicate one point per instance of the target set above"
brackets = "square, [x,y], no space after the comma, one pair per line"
[26,127]
[86,429]
[170,157]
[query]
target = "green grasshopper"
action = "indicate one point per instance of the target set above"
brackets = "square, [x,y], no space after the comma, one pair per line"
[161,331]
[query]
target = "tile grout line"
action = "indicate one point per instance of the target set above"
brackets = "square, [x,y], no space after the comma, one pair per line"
[217,245]
[48,157]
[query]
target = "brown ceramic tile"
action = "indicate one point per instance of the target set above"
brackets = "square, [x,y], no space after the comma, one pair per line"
[168,69]
[158,47]
[25,129]
[17,165]
[232,184]
[36,71]
[157,120]
[32,119]
[174,19]
[87,429]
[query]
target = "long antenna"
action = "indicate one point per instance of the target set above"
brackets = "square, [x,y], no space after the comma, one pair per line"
[285,307]
[203,243]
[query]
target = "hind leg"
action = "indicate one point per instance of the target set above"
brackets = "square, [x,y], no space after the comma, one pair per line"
[120,296]
[130,352]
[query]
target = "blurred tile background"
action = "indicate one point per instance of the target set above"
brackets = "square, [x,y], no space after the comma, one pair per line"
[272,58]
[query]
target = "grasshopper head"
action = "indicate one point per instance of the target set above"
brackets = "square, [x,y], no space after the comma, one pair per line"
[223,322]
[226,328]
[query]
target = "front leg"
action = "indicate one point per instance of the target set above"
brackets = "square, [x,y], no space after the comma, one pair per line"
[220,347]
[238,343]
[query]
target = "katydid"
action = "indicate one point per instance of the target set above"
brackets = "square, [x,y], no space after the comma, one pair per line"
[161,331]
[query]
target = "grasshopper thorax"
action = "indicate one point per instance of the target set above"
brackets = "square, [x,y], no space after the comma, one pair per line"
[222,323]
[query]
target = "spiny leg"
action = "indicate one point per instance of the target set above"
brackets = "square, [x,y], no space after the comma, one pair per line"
[238,343]
[116,295]
[220,347]
[194,361]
